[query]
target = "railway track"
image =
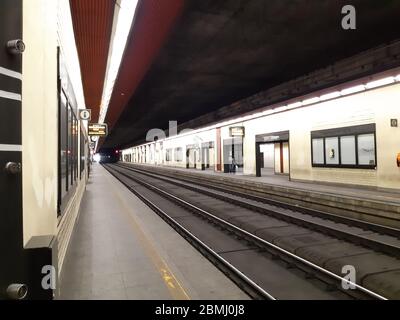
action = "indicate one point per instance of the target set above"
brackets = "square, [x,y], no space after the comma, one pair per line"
[263,269]
[376,237]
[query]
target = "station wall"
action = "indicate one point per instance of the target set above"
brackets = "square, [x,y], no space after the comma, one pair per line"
[372,107]
[47,30]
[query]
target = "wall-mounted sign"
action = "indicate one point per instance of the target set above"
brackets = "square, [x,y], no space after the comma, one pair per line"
[273,137]
[236,131]
[97,129]
[394,123]
[85,114]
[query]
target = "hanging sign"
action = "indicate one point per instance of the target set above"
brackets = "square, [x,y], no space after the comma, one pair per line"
[236,131]
[97,129]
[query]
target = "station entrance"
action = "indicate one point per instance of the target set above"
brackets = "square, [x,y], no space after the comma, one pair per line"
[272,154]
[192,156]
[233,155]
[207,155]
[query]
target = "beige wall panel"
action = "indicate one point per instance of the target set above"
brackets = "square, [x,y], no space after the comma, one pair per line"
[39,118]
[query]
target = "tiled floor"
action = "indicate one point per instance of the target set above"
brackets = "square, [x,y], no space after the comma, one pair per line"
[120,249]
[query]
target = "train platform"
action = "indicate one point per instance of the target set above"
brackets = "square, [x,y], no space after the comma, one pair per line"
[121,249]
[366,203]
[283,181]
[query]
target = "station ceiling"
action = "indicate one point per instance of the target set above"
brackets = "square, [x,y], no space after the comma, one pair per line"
[92,22]
[187,58]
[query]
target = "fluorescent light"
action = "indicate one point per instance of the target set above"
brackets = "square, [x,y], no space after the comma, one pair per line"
[267,112]
[354,89]
[294,105]
[379,83]
[311,101]
[329,96]
[117,47]
[398,78]
[280,109]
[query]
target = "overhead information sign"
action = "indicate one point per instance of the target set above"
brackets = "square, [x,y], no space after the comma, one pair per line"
[97,129]
[85,114]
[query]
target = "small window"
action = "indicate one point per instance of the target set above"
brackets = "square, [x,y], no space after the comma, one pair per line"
[178,154]
[332,150]
[366,149]
[318,151]
[168,155]
[348,150]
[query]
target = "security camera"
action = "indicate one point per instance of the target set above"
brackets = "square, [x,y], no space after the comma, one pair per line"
[16,46]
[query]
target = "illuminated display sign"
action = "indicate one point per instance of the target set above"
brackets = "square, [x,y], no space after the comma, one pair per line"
[236,131]
[97,129]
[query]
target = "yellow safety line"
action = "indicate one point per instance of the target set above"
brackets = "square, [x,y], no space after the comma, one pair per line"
[172,283]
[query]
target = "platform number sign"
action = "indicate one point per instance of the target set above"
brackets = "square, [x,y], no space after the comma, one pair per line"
[85,114]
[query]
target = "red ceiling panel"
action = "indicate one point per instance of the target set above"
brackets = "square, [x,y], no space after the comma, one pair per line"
[153,22]
[92,21]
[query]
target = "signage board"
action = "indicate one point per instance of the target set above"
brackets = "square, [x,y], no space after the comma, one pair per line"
[271,138]
[97,129]
[85,114]
[236,131]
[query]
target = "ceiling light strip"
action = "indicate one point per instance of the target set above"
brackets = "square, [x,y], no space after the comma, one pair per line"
[313,100]
[126,13]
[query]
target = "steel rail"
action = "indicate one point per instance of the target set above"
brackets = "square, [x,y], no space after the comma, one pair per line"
[187,234]
[335,232]
[260,240]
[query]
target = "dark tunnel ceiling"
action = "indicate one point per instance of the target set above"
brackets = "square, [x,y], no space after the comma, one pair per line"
[225,50]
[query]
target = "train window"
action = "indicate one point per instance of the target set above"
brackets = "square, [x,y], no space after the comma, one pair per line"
[68,149]
[63,156]
[68,139]
[82,145]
